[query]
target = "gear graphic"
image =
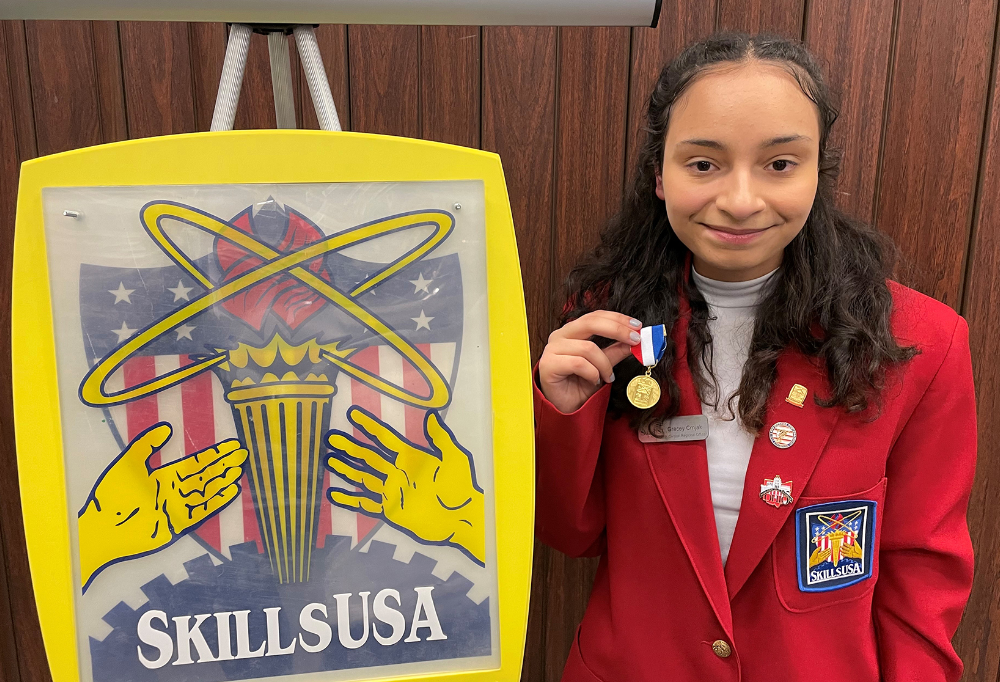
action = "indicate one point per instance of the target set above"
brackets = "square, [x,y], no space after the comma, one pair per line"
[247,583]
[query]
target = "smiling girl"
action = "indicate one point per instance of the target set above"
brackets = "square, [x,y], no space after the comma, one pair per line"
[785,496]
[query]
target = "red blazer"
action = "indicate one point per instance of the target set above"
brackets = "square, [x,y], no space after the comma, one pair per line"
[663,607]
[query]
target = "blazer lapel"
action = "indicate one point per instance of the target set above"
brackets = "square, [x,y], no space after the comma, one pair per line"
[759,522]
[680,470]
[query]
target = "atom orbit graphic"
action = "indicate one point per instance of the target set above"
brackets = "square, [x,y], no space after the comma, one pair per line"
[93,388]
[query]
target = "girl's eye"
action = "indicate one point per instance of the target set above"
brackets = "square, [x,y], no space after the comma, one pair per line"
[781,165]
[702,166]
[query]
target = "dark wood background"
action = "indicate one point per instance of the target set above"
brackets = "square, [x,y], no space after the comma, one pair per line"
[920,130]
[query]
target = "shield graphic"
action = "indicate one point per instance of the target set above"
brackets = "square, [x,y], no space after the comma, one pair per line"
[278,392]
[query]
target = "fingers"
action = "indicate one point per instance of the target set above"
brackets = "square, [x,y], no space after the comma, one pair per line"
[588,350]
[356,476]
[196,513]
[149,441]
[604,323]
[617,352]
[197,490]
[194,471]
[378,431]
[354,502]
[340,441]
[553,367]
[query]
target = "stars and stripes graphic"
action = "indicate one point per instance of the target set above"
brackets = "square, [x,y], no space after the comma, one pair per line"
[422,302]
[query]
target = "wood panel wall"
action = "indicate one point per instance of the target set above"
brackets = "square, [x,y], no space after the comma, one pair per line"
[920,130]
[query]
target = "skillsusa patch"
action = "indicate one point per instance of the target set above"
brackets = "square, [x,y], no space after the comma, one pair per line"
[834,543]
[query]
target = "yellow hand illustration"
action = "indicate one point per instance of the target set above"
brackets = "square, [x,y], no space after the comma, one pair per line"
[431,494]
[134,510]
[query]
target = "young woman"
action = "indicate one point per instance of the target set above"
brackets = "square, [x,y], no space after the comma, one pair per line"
[793,507]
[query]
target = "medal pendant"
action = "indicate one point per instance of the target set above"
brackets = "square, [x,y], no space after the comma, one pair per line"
[643,391]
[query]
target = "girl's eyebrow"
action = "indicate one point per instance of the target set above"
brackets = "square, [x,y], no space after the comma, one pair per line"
[773,142]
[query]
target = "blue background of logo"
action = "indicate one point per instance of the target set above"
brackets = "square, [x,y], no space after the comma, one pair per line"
[803,544]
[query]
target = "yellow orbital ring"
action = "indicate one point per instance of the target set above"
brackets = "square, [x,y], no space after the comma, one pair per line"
[92,389]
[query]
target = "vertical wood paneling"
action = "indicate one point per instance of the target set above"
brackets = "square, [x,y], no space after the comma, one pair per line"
[20,89]
[757,16]
[385,79]
[976,641]
[562,108]
[853,48]
[63,85]
[589,172]
[332,42]
[208,50]
[932,139]
[156,58]
[110,81]
[449,84]
[518,123]
[652,49]
[8,192]
[256,107]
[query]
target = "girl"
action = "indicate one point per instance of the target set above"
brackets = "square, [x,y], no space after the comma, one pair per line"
[793,506]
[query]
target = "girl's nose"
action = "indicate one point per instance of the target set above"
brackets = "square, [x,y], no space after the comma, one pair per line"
[740,197]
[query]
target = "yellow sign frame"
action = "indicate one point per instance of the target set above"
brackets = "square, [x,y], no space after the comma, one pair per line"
[233,158]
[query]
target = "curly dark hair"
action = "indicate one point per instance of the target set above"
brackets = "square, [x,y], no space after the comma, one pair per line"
[830,298]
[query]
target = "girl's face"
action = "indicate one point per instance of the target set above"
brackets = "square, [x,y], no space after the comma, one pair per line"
[740,169]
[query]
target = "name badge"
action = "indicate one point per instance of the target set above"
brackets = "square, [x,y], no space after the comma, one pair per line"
[690,427]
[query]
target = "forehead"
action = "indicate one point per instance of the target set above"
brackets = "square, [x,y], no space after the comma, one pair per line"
[744,103]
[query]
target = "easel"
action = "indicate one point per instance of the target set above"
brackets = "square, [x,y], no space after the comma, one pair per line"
[235,63]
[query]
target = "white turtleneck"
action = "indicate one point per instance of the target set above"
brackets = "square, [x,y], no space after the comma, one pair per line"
[732,306]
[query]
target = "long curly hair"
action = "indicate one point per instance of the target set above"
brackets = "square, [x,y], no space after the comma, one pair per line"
[830,298]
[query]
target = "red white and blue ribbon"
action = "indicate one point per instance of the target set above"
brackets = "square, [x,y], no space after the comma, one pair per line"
[653,343]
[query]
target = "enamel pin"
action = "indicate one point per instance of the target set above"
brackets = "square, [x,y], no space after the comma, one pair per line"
[797,396]
[782,435]
[776,492]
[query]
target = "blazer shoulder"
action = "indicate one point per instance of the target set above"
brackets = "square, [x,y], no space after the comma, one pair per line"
[921,321]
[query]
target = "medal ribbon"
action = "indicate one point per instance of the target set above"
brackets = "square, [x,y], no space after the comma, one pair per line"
[652,344]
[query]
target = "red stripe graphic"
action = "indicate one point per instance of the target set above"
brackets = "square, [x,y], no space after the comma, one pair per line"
[143,413]
[414,383]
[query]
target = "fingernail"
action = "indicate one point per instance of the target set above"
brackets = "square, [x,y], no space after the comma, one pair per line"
[635,336]
[612,379]
[635,323]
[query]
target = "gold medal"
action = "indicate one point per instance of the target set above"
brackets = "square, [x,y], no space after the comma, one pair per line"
[643,391]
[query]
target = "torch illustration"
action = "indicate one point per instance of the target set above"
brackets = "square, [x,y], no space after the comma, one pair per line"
[272,277]
[281,397]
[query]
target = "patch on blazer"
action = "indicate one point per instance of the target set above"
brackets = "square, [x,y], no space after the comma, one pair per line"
[834,544]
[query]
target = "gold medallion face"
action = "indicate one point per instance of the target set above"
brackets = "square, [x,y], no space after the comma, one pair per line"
[643,392]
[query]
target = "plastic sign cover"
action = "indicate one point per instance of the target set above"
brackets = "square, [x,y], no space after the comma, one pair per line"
[276,428]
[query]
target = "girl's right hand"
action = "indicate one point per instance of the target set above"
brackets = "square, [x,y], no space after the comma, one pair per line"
[572,366]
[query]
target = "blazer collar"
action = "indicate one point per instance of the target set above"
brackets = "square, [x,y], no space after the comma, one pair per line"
[680,470]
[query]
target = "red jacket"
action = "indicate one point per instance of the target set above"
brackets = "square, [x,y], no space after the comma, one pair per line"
[663,607]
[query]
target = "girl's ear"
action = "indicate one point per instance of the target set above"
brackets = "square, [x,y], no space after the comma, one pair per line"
[659,187]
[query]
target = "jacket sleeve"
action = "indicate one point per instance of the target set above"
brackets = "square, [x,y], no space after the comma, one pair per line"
[569,508]
[925,557]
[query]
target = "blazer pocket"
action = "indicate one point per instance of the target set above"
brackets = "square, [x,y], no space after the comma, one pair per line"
[827,551]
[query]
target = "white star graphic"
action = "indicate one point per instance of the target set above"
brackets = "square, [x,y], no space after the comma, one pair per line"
[423,322]
[121,293]
[180,292]
[124,332]
[184,332]
[421,284]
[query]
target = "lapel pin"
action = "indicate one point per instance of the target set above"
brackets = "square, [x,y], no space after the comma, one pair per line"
[776,492]
[782,435]
[797,396]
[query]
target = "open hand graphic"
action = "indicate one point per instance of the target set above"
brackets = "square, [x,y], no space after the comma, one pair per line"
[431,494]
[134,510]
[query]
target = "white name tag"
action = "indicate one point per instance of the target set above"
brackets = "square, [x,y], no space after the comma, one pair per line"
[691,427]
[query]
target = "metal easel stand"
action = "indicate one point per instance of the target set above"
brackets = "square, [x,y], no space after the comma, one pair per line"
[234,67]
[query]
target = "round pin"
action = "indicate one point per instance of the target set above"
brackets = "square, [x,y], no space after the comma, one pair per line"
[782,435]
